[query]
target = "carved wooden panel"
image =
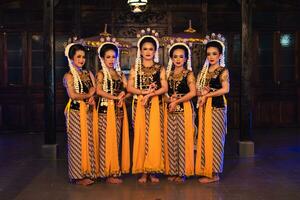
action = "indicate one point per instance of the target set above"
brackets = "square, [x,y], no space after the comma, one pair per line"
[126,24]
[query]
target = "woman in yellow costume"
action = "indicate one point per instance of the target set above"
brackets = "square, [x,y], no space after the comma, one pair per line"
[113,122]
[212,85]
[79,83]
[147,81]
[179,136]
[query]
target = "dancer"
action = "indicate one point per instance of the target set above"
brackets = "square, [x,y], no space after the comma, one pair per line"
[113,121]
[147,81]
[212,85]
[79,84]
[179,139]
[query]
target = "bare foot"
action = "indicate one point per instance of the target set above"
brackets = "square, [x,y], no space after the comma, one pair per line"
[153,179]
[171,178]
[143,179]
[206,180]
[114,180]
[180,179]
[84,182]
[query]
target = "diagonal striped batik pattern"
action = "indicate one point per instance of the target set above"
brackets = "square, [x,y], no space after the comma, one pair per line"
[176,144]
[219,126]
[74,147]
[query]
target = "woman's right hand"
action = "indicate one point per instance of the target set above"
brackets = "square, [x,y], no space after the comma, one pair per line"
[173,97]
[205,90]
[202,101]
[150,89]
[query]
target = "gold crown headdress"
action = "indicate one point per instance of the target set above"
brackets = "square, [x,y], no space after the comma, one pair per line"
[148,33]
[112,41]
[221,40]
[178,42]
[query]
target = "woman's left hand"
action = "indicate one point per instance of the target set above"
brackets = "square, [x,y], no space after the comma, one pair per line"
[91,101]
[203,100]
[172,106]
[120,103]
[145,99]
[121,95]
[121,99]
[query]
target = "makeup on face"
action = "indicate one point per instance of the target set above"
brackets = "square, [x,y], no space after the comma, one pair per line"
[79,59]
[110,58]
[178,57]
[213,55]
[148,51]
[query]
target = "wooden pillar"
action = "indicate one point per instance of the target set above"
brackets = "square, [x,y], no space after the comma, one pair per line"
[297,73]
[2,64]
[246,146]
[297,52]
[204,17]
[276,58]
[5,61]
[49,75]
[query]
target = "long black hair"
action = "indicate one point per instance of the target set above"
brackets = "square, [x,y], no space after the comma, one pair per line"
[107,47]
[74,48]
[214,44]
[186,52]
[148,39]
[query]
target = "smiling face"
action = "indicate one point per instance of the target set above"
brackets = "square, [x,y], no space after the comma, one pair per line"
[213,55]
[148,51]
[178,57]
[79,59]
[110,58]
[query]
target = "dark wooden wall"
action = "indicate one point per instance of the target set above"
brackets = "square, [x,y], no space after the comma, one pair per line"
[276,70]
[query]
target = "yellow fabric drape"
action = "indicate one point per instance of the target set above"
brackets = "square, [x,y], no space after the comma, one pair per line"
[205,170]
[189,138]
[85,162]
[167,163]
[139,137]
[154,159]
[67,114]
[111,146]
[96,141]
[125,143]
[225,100]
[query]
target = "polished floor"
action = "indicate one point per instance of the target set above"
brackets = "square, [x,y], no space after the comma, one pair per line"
[274,173]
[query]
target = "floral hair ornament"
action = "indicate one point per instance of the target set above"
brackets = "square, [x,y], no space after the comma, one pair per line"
[178,42]
[221,40]
[104,41]
[148,33]
[76,78]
